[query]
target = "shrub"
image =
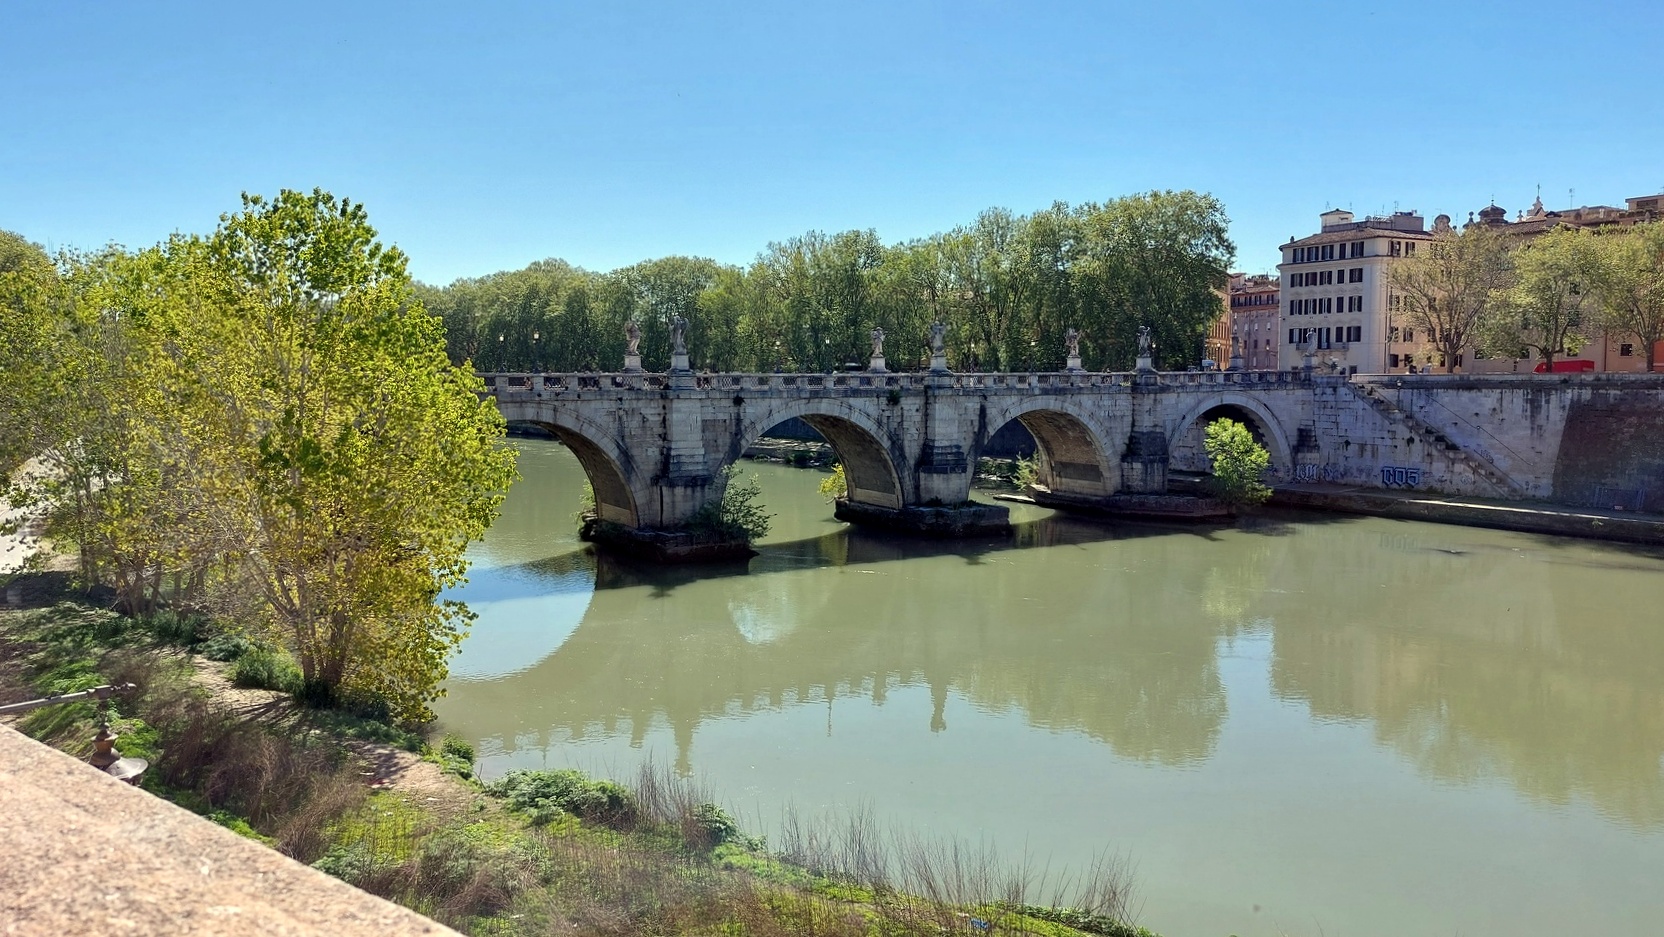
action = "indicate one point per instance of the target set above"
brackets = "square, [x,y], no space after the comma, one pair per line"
[225,646]
[736,515]
[546,795]
[714,825]
[266,668]
[1026,473]
[1238,463]
[173,627]
[835,485]
[456,756]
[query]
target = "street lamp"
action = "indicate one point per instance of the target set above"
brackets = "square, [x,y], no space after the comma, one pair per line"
[501,361]
[537,365]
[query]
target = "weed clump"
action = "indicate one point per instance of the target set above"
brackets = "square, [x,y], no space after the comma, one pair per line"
[266,668]
[548,795]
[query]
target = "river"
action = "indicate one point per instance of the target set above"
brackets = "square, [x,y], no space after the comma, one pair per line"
[1303,725]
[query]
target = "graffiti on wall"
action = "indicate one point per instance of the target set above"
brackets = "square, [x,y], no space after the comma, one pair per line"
[1329,472]
[1399,476]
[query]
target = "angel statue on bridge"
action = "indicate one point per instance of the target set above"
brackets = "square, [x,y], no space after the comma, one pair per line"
[1071,342]
[938,333]
[678,335]
[632,338]
[1146,345]
[877,342]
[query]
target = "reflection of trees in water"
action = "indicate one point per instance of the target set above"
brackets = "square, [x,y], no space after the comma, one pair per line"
[1490,663]
[1110,655]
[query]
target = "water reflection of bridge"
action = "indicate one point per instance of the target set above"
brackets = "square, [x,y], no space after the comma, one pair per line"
[1557,691]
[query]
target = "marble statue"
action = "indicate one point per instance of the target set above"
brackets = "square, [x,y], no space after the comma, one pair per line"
[632,337]
[1071,342]
[678,335]
[938,332]
[1146,345]
[877,342]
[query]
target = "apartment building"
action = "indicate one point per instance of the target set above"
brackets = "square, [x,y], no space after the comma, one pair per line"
[1334,301]
[1252,318]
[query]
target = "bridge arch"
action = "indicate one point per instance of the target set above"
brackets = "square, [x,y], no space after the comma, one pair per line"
[1184,435]
[864,446]
[1070,440]
[606,463]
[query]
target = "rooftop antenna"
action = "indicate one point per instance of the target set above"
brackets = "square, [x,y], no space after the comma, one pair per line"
[1571,198]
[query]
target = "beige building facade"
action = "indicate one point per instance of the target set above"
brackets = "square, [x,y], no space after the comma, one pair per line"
[1334,299]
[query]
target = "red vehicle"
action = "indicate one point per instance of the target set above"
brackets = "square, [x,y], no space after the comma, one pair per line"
[1566,366]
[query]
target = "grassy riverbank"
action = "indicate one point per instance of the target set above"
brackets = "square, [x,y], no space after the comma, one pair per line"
[399,815]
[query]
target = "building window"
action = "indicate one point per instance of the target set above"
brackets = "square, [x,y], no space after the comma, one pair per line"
[1354,333]
[1355,275]
[1626,350]
[1409,335]
[1392,361]
[1395,249]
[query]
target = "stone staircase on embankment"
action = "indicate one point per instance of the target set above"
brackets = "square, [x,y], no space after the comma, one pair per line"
[1420,429]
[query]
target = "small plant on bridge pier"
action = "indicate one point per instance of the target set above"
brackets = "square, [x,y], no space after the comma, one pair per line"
[1239,463]
[736,515]
[834,485]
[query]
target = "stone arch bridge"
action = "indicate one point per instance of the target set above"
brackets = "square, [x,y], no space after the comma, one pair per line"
[654,445]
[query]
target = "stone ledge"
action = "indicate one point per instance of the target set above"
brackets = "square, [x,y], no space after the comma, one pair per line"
[958,521]
[662,546]
[87,854]
[1526,517]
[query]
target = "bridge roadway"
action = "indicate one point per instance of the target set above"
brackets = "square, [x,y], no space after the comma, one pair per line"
[654,445]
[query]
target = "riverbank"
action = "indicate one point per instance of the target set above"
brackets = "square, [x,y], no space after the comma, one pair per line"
[538,852]
[1525,517]
[1531,517]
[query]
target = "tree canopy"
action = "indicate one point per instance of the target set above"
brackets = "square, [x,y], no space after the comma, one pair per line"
[1008,287]
[1452,287]
[264,422]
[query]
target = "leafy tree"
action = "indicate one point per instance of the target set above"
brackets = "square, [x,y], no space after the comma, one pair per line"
[1239,463]
[1451,287]
[29,340]
[1551,303]
[353,462]
[1629,282]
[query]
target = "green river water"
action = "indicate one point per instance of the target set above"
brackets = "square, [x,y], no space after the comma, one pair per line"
[1303,725]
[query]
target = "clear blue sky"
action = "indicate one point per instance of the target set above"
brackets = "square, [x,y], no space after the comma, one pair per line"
[485,136]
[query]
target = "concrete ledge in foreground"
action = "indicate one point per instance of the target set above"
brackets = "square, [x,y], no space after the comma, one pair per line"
[82,853]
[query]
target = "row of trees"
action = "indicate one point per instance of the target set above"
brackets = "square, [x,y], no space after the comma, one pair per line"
[262,424]
[1483,289]
[1007,286]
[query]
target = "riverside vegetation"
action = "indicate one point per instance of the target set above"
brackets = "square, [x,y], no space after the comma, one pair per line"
[259,424]
[258,449]
[533,852]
